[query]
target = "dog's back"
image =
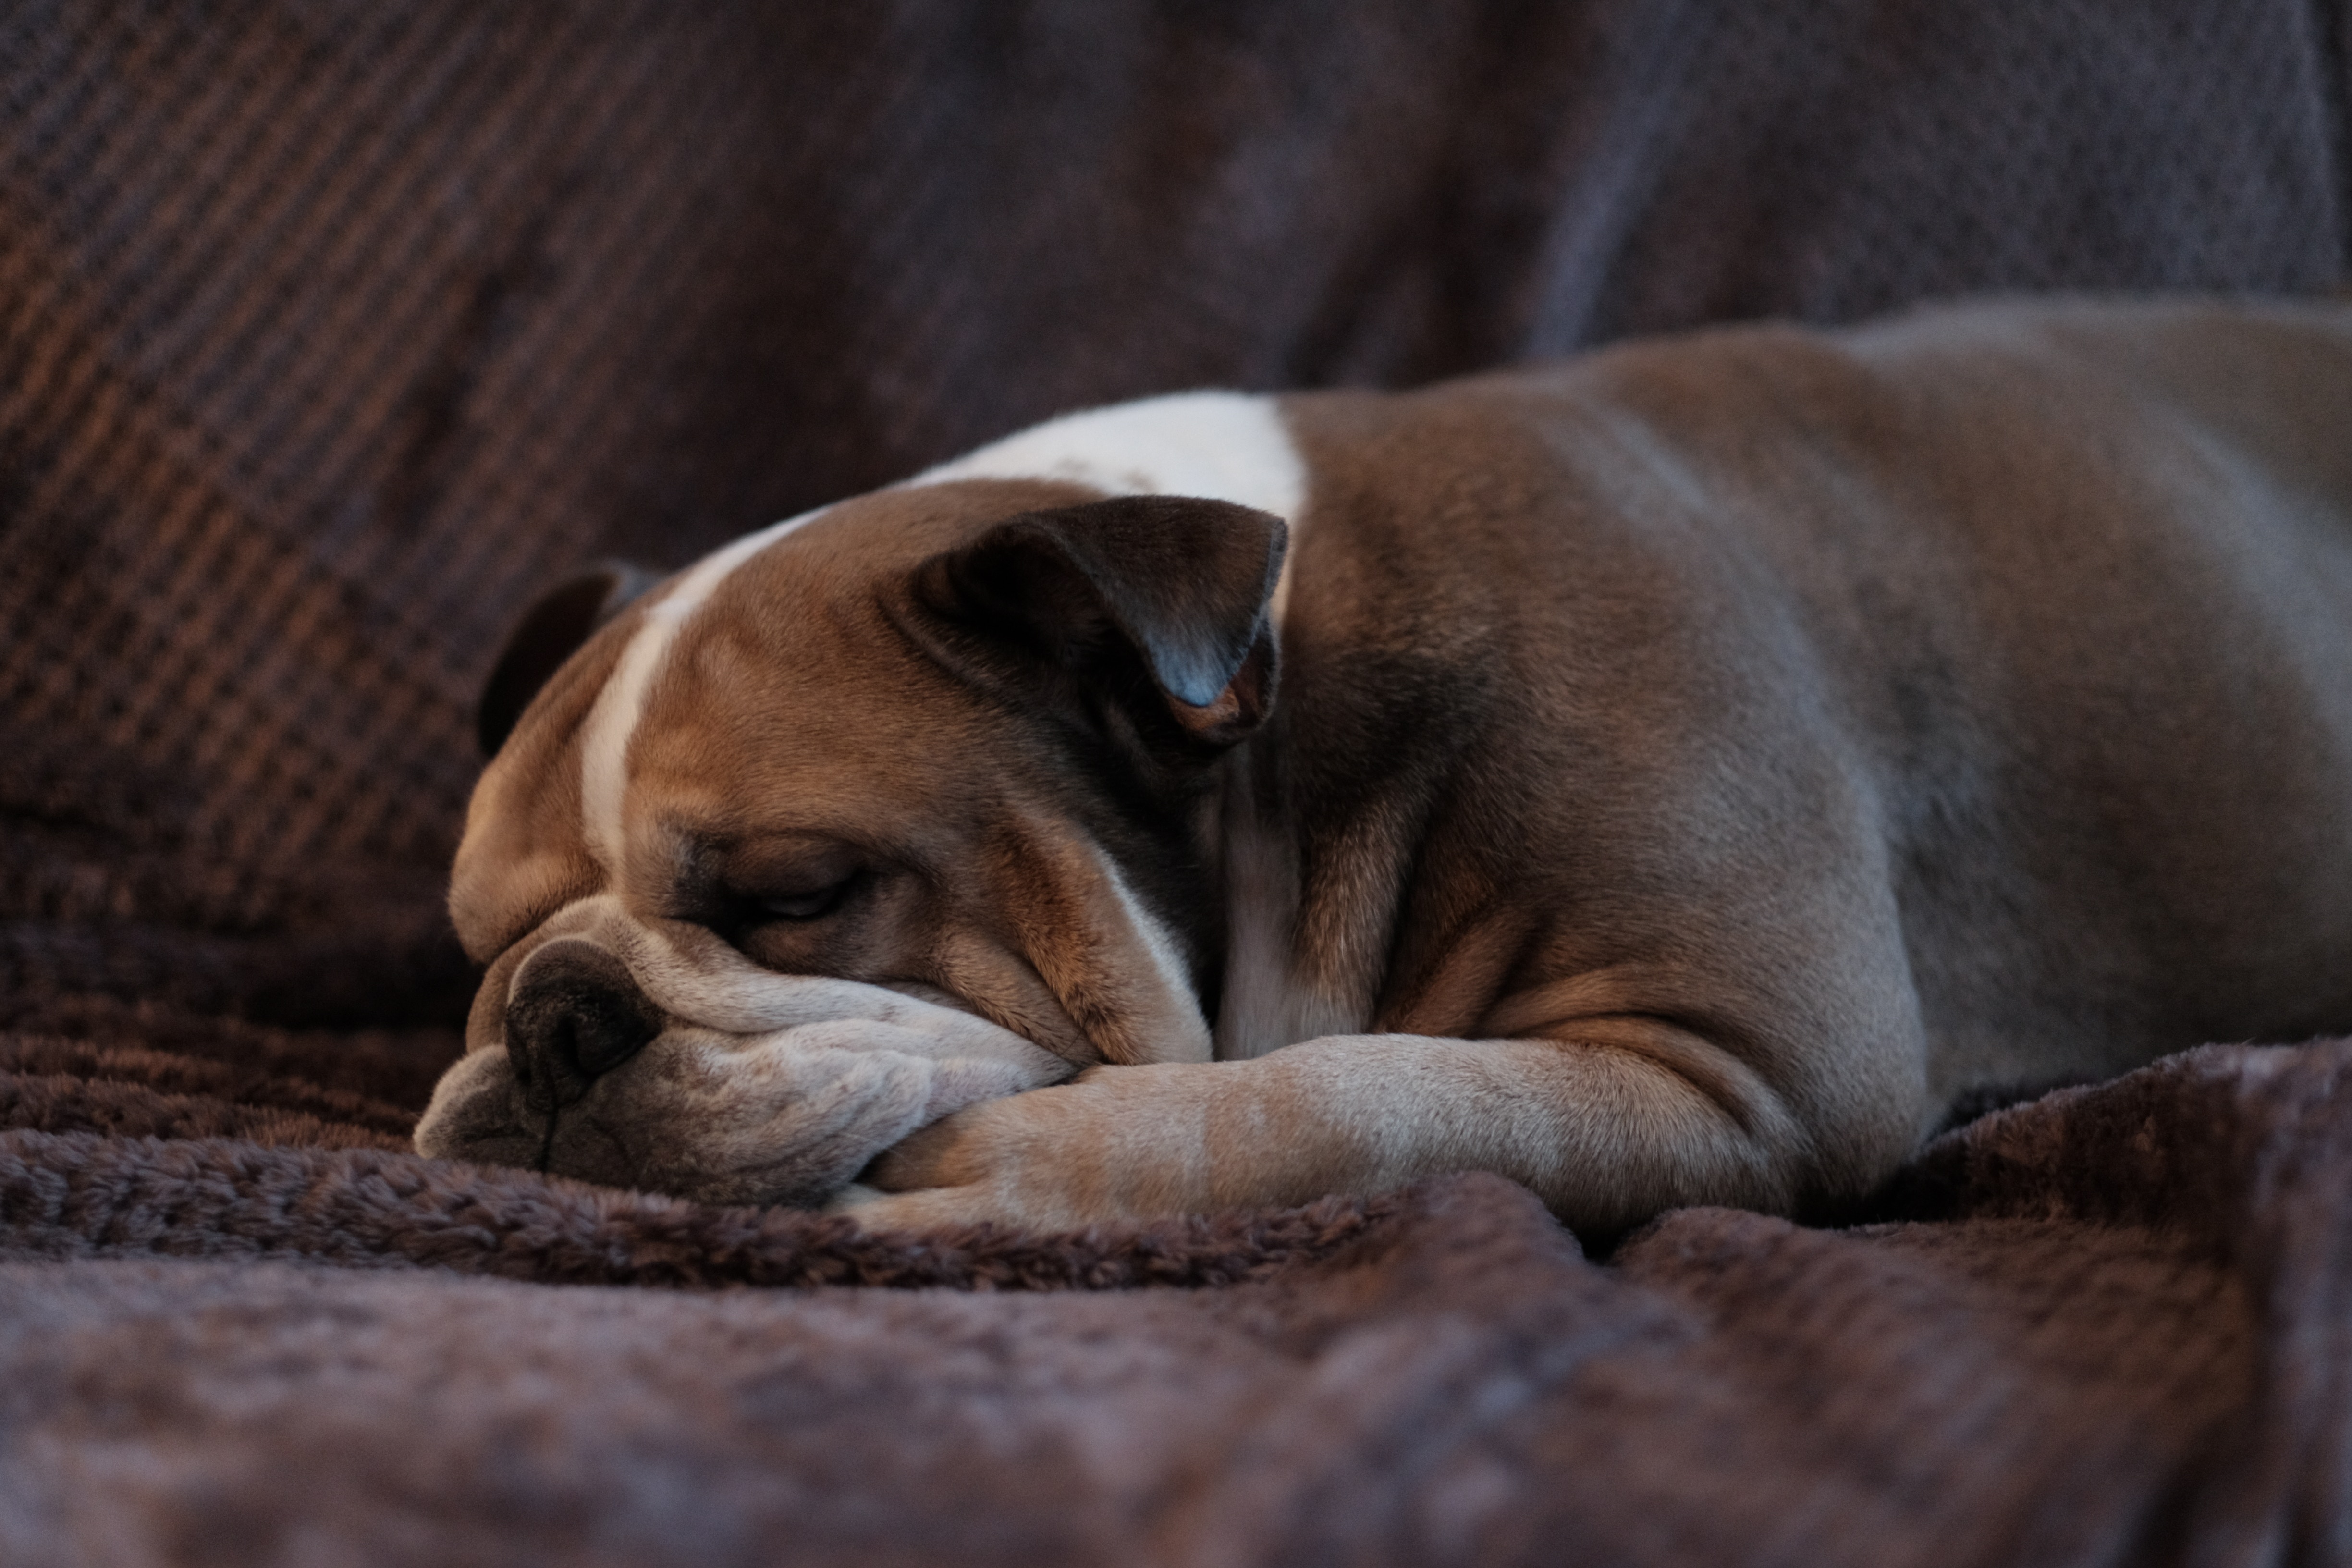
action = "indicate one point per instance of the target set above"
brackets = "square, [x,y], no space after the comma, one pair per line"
[2061,595]
[2159,597]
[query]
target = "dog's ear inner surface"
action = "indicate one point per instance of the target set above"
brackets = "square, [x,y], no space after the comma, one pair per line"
[550,632]
[1181,583]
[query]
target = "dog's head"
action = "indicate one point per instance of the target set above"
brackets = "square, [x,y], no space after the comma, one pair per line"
[888,809]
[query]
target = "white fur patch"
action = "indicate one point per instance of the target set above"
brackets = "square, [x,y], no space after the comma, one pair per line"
[1219,446]
[604,749]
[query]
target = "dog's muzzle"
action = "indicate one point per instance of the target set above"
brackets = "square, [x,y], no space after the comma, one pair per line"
[660,1059]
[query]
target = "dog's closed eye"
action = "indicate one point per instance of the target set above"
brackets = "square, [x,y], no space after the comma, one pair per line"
[740,886]
[811,904]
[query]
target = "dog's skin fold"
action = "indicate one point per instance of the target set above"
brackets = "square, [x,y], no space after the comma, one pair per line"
[1670,777]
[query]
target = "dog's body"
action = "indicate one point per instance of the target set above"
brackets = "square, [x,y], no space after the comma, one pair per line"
[1695,766]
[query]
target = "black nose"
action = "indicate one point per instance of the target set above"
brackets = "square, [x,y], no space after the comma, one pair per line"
[573,1013]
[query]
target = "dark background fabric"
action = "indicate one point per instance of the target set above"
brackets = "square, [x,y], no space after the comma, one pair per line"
[330,333]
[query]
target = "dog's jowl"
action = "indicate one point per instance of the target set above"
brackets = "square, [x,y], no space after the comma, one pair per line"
[1673,776]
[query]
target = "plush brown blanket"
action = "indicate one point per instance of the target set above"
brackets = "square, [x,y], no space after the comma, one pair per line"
[2114,1325]
[328,334]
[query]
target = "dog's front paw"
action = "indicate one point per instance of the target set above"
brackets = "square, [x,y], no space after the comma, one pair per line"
[1115,1143]
[792,1116]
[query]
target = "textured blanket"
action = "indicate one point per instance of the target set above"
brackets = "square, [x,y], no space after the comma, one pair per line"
[329,334]
[2113,1325]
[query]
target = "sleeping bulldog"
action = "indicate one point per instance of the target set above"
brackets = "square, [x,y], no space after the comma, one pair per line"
[1675,776]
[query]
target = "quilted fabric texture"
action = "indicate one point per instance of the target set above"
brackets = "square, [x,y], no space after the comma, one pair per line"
[329,334]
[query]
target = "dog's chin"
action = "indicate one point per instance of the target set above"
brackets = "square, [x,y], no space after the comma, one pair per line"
[788,1118]
[478,1114]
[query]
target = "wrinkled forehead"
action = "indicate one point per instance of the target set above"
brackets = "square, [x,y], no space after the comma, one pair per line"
[755,684]
[788,704]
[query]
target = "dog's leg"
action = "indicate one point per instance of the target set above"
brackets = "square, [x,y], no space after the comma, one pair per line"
[1614,1120]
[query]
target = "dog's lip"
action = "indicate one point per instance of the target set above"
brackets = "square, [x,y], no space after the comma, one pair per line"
[591,1121]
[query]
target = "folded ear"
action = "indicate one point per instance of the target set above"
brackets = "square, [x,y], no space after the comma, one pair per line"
[550,632]
[1180,585]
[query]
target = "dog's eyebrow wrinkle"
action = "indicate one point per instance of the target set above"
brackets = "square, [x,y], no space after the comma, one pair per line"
[1219,446]
[612,721]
